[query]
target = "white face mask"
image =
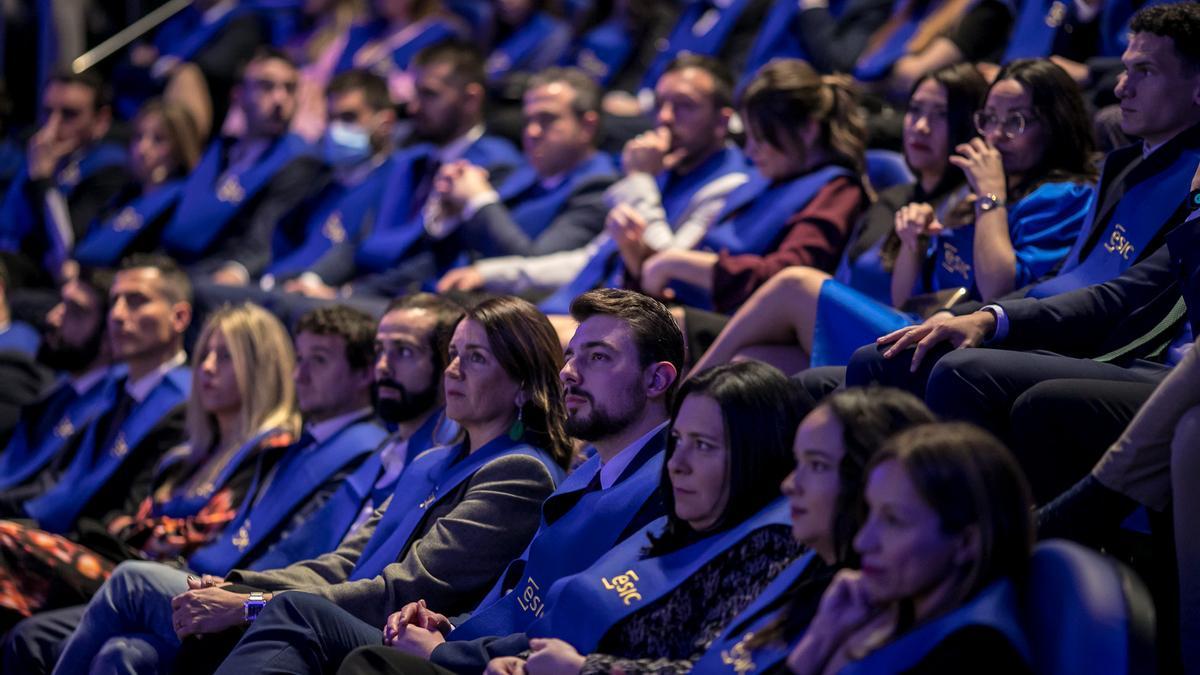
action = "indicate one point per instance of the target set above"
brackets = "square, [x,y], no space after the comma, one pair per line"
[346,144]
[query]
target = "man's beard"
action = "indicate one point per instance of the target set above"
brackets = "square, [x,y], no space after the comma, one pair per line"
[601,424]
[408,406]
[71,359]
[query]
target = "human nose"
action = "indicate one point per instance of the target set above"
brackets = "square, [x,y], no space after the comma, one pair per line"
[790,485]
[453,369]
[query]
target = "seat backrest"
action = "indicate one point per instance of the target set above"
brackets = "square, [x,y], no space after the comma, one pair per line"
[887,168]
[1084,613]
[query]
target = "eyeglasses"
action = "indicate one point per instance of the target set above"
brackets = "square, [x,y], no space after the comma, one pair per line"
[1013,125]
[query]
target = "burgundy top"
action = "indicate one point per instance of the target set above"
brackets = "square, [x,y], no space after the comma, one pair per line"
[815,236]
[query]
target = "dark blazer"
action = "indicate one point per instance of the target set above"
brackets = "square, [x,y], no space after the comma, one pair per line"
[1099,319]
[834,44]
[457,553]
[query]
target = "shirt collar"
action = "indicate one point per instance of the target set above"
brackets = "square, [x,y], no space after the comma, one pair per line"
[139,389]
[455,149]
[82,383]
[324,430]
[611,470]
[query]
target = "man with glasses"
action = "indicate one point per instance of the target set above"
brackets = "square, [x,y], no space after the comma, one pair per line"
[242,187]
[1112,315]
[70,175]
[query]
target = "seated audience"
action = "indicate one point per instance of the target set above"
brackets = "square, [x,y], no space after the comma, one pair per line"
[947,536]
[447,120]
[805,135]
[825,492]
[239,416]
[676,180]
[15,335]
[231,202]
[112,459]
[619,376]
[725,537]
[830,36]
[70,173]
[435,538]
[527,38]
[74,346]
[163,150]
[778,322]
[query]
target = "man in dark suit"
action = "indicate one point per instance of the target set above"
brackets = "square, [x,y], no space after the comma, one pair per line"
[112,459]
[242,187]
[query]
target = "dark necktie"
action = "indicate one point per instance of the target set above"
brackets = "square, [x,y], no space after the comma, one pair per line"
[428,168]
[111,425]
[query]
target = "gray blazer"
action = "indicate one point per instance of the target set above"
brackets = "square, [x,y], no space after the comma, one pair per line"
[457,553]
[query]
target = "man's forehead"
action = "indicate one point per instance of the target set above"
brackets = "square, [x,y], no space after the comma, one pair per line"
[602,328]
[140,278]
[311,341]
[407,321]
[689,81]
[276,70]
[1149,47]
[550,94]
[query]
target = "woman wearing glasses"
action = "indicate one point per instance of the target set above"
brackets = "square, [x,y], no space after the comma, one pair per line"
[1029,187]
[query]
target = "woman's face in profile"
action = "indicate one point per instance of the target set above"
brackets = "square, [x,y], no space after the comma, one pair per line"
[813,487]
[151,154]
[698,468]
[904,552]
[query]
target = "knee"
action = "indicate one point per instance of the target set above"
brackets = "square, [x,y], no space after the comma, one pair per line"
[293,608]
[792,280]
[1185,458]
[866,366]
[954,376]
[125,655]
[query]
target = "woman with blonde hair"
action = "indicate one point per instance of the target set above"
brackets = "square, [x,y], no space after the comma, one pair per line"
[240,415]
[163,150]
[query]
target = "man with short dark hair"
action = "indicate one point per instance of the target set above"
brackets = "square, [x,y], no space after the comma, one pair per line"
[233,199]
[141,416]
[70,176]
[73,346]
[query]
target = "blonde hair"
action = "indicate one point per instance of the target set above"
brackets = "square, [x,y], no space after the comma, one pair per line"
[181,129]
[263,361]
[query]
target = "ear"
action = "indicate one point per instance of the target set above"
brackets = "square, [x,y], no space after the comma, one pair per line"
[522,396]
[475,95]
[103,123]
[810,131]
[969,548]
[659,378]
[181,316]
[591,124]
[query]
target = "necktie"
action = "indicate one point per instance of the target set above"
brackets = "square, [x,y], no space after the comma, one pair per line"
[111,425]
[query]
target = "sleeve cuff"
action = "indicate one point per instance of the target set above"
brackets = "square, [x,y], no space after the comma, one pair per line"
[1001,331]
[475,204]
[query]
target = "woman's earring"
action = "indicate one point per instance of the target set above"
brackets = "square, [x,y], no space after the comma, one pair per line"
[517,431]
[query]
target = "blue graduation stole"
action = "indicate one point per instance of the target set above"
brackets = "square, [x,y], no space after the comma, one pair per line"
[31,449]
[207,207]
[107,241]
[327,527]
[436,31]
[730,653]
[1114,24]
[1036,28]
[17,215]
[533,209]
[699,31]
[566,546]
[188,35]
[1136,220]
[522,45]
[756,213]
[603,51]
[677,193]
[584,606]
[780,37]
[57,509]
[395,229]
[338,218]
[189,503]
[877,64]
[427,480]
[300,472]
[994,607]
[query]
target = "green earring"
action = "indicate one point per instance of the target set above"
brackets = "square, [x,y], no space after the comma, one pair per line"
[517,431]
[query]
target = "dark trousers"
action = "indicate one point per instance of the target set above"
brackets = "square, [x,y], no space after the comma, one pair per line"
[982,385]
[820,382]
[33,646]
[299,633]
[1061,428]
[381,660]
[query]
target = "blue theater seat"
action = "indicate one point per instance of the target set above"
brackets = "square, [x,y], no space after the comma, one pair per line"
[1087,613]
[887,168]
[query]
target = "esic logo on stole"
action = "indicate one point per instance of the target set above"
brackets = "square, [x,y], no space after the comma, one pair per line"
[623,585]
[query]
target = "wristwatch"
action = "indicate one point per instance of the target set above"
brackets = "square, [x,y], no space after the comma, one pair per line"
[988,202]
[253,606]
